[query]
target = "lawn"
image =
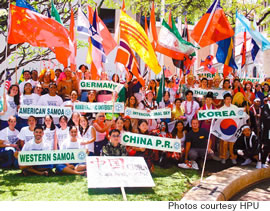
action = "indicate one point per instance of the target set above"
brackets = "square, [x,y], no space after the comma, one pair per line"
[171,184]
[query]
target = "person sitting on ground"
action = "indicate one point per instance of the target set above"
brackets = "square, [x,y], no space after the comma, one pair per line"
[36,144]
[196,143]
[113,147]
[248,146]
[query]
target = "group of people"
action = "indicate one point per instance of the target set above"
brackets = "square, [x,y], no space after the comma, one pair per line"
[100,133]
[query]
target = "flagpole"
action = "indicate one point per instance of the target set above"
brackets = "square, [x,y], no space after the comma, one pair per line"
[205,156]
[16,61]
[8,19]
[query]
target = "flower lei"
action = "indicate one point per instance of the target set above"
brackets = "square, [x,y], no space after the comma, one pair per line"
[191,107]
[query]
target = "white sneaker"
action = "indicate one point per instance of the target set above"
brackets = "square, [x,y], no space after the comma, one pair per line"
[264,166]
[190,165]
[234,161]
[259,165]
[246,162]
[195,165]
[223,161]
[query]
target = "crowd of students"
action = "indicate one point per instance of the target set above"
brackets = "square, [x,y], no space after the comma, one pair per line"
[100,133]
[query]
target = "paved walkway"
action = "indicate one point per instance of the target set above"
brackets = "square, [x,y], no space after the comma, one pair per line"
[258,192]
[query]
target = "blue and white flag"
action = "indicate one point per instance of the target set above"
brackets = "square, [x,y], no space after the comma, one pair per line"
[83,25]
[261,41]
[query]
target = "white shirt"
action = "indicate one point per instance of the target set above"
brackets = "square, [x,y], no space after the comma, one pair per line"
[21,85]
[25,134]
[11,108]
[29,100]
[67,144]
[9,136]
[33,146]
[62,135]
[87,137]
[193,110]
[48,137]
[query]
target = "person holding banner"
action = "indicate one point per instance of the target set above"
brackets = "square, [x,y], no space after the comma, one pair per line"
[10,105]
[102,129]
[73,99]
[36,144]
[73,142]
[49,132]
[132,102]
[224,144]
[27,133]
[248,146]
[113,147]
[88,134]
[8,144]
[178,111]
[61,133]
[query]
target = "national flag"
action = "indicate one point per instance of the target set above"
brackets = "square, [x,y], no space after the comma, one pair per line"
[7,84]
[225,55]
[138,41]
[122,95]
[244,50]
[72,57]
[38,30]
[21,79]
[25,4]
[208,64]
[55,14]
[212,27]
[153,37]
[251,28]
[161,89]
[171,44]
[228,129]
[89,58]
[255,49]
[126,57]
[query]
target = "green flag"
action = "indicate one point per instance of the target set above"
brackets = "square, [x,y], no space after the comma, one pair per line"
[161,89]
[55,14]
[21,79]
[122,95]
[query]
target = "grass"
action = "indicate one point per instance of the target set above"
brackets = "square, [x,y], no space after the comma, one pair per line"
[171,184]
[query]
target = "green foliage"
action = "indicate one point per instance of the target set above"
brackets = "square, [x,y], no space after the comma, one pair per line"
[171,184]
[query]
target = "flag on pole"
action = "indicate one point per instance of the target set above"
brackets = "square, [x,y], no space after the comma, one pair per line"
[208,64]
[244,50]
[161,89]
[225,55]
[8,83]
[55,14]
[25,4]
[212,27]
[138,41]
[153,37]
[40,31]
[21,79]
[251,28]
[73,54]
[255,49]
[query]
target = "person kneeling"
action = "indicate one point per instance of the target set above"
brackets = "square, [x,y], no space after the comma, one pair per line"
[248,146]
[36,144]
[114,148]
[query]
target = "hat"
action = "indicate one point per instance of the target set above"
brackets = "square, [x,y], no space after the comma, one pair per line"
[190,75]
[148,91]
[209,95]
[217,77]
[257,99]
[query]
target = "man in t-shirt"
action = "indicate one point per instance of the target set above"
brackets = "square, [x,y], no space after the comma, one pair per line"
[27,133]
[196,143]
[8,144]
[27,78]
[36,144]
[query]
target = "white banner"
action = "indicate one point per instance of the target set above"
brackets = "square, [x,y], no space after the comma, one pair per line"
[100,85]
[33,158]
[221,114]
[151,142]
[253,80]
[143,114]
[112,172]
[41,111]
[218,94]
[99,107]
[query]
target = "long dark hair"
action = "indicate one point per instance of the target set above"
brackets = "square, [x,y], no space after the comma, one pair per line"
[81,128]
[52,124]
[17,96]
[139,123]
[174,131]
[130,125]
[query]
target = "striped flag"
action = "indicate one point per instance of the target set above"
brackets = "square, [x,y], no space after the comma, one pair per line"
[8,83]
[244,50]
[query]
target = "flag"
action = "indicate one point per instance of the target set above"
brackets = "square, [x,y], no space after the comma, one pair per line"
[251,28]
[72,57]
[21,79]
[153,37]
[25,4]
[161,89]
[171,44]
[122,95]
[212,27]
[89,58]
[55,14]
[244,50]
[126,57]
[225,55]
[208,64]
[228,129]
[255,49]
[39,30]
[138,41]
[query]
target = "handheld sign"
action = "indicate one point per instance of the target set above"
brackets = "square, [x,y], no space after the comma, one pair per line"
[99,107]
[143,114]
[42,111]
[100,85]
[112,172]
[218,94]
[221,114]
[34,158]
[151,142]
